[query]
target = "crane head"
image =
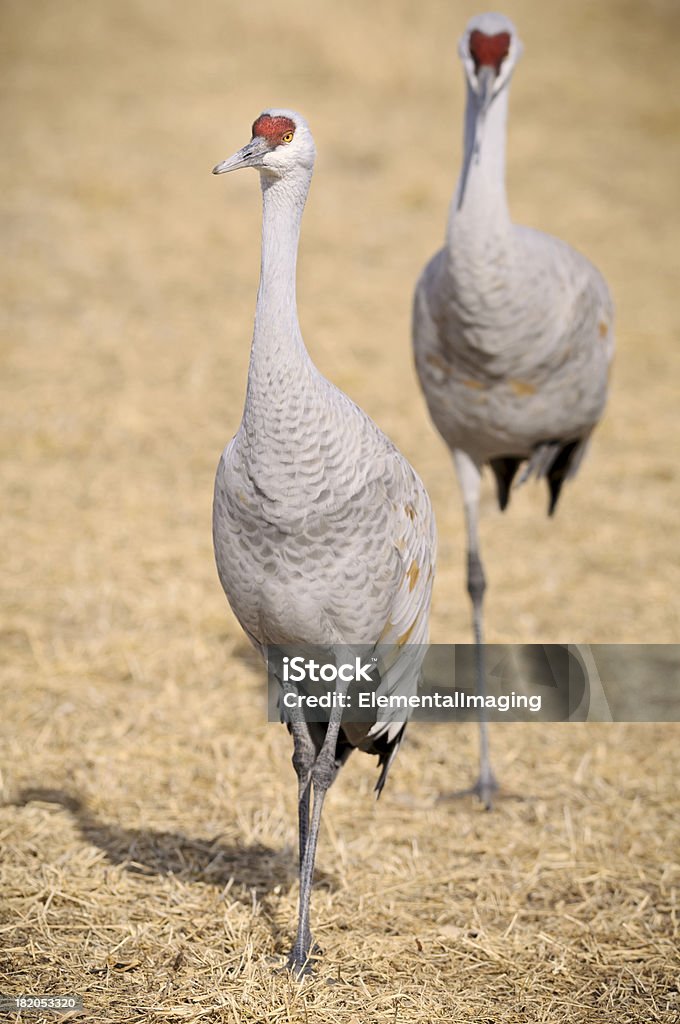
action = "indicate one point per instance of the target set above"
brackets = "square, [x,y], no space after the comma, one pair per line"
[489,49]
[281,143]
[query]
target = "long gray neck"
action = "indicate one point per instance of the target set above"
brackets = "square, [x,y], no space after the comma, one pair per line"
[479,221]
[279,362]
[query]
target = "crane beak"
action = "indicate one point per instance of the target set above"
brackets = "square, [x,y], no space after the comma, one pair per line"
[252,155]
[486,80]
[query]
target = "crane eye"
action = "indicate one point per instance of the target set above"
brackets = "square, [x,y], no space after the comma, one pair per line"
[288,137]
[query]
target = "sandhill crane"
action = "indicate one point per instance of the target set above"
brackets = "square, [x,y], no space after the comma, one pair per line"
[512,329]
[323,532]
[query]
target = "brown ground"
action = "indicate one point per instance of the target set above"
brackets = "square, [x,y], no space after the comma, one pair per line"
[148,834]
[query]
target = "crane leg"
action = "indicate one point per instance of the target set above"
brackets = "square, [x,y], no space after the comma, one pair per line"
[469,477]
[304,753]
[322,774]
[303,818]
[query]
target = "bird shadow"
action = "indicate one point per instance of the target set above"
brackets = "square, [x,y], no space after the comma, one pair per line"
[253,872]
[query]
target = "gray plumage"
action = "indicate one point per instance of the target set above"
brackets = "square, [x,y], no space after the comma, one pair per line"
[323,533]
[512,328]
[504,379]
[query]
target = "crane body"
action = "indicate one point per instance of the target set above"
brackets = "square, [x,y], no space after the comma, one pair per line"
[323,533]
[512,328]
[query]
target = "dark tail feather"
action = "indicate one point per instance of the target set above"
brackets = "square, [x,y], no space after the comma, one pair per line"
[504,469]
[385,759]
[559,471]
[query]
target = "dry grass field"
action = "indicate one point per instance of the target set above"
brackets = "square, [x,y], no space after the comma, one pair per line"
[148,810]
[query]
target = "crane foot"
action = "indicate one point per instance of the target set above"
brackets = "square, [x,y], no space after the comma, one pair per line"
[301,965]
[484,788]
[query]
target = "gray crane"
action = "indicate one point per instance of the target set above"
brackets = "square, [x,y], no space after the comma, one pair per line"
[323,533]
[512,328]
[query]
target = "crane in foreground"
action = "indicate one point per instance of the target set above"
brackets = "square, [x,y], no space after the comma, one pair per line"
[512,329]
[323,533]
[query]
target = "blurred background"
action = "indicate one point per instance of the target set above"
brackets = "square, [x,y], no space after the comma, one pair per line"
[128,296]
[131,276]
